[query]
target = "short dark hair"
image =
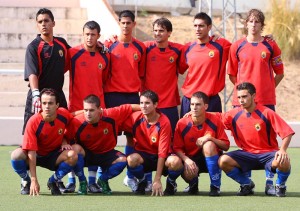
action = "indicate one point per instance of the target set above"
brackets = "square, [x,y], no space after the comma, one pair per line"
[164,23]
[151,95]
[50,92]
[246,86]
[126,13]
[44,11]
[201,95]
[203,16]
[92,25]
[92,99]
[257,14]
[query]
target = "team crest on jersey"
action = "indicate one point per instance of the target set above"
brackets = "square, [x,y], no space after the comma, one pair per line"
[60,131]
[105,131]
[257,127]
[211,54]
[100,65]
[263,54]
[61,53]
[277,60]
[153,139]
[135,56]
[171,59]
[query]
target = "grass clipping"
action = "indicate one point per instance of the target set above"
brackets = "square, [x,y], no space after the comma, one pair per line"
[283,21]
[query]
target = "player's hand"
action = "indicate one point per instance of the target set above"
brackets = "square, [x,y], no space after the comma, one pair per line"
[36,101]
[66,147]
[215,37]
[188,114]
[269,37]
[34,188]
[202,140]
[157,189]
[190,167]
[101,47]
[281,157]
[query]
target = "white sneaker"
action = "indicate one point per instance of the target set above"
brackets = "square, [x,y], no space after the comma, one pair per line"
[186,189]
[132,183]
[270,190]
[148,187]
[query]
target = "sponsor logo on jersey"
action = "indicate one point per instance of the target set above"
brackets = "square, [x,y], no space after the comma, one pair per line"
[60,131]
[105,131]
[135,56]
[100,66]
[61,53]
[211,54]
[277,60]
[257,127]
[171,59]
[263,54]
[153,139]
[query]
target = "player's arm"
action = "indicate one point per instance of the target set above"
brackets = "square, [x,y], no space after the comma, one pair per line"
[278,78]
[281,156]
[135,107]
[232,79]
[36,100]
[157,189]
[34,187]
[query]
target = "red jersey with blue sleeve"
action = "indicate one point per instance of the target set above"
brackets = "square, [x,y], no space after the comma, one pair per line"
[186,133]
[206,65]
[153,139]
[255,63]
[256,132]
[102,136]
[127,66]
[45,137]
[162,66]
[88,73]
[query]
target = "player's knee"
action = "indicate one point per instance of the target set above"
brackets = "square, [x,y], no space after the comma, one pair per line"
[210,149]
[224,162]
[174,163]
[133,160]
[18,154]
[72,157]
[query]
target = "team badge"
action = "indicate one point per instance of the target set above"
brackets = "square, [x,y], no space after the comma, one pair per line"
[135,56]
[211,54]
[61,53]
[60,131]
[257,127]
[277,60]
[100,66]
[153,139]
[171,59]
[105,131]
[263,54]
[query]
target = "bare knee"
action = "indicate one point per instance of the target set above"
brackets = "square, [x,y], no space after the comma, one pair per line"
[134,160]
[226,163]
[174,163]
[18,154]
[210,149]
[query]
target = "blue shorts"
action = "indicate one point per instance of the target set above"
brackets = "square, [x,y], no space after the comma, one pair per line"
[48,161]
[113,99]
[172,114]
[150,162]
[249,161]
[103,160]
[214,105]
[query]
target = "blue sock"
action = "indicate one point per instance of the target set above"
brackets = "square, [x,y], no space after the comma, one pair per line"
[78,168]
[62,170]
[214,170]
[92,174]
[99,172]
[129,150]
[248,174]
[173,175]
[282,177]
[113,170]
[20,167]
[138,171]
[269,177]
[148,177]
[238,176]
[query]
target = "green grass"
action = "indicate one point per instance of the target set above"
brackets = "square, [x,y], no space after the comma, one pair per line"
[123,199]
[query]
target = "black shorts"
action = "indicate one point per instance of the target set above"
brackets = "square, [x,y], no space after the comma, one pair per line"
[48,161]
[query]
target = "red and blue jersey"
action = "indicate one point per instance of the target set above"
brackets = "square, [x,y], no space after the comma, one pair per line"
[256,132]
[45,137]
[206,65]
[256,63]
[88,72]
[186,133]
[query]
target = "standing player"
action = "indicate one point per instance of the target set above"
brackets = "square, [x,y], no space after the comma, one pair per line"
[96,131]
[255,128]
[89,67]
[45,64]
[127,70]
[255,59]
[206,63]
[199,140]
[43,145]
[152,137]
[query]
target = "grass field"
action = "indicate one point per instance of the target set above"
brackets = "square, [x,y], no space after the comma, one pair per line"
[123,199]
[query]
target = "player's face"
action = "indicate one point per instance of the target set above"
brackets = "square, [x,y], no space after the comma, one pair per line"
[90,37]
[160,34]
[201,29]
[198,107]
[49,106]
[91,112]
[245,99]
[147,106]
[45,24]
[126,25]
[254,26]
